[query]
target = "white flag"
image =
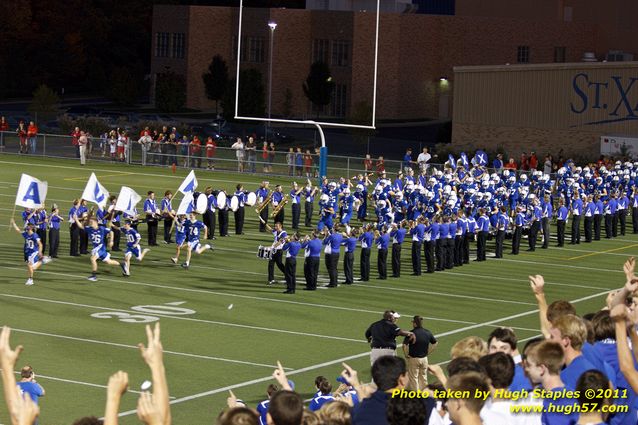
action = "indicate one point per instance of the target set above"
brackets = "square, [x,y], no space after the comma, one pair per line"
[189,184]
[186,206]
[95,192]
[127,200]
[31,192]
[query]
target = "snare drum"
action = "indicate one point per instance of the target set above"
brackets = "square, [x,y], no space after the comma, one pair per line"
[264,252]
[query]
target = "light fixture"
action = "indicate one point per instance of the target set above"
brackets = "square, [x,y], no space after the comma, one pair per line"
[272,25]
[442,79]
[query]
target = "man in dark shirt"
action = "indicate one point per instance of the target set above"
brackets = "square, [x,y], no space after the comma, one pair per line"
[382,335]
[416,354]
[388,373]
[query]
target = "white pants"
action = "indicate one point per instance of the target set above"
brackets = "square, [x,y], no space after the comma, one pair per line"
[82,154]
[375,353]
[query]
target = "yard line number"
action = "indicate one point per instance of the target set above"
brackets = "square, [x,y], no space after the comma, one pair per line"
[168,309]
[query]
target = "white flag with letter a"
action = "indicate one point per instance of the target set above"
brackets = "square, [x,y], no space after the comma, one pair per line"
[31,192]
[186,206]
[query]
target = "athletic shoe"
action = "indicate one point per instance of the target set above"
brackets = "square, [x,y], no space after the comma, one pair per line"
[46,260]
[184,265]
[208,246]
[272,282]
[29,282]
[92,278]
[145,251]
[123,267]
[174,260]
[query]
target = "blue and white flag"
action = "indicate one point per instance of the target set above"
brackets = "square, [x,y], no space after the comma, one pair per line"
[450,159]
[95,192]
[189,184]
[127,200]
[465,161]
[186,206]
[31,192]
[480,158]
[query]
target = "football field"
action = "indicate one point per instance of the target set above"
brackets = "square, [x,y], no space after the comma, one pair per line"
[77,333]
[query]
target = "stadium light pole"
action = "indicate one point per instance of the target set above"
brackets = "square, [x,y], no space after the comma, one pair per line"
[273,26]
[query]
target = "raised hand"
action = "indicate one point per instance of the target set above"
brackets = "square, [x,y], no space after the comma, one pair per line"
[629,268]
[152,354]
[537,283]
[118,383]
[24,411]
[148,411]
[280,377]
[8,357]
[619,313]
[350,375]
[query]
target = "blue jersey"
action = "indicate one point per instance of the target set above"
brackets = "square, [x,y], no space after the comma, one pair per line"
[292,248]
[34,390]
[97,236]
[30,243]
[312,247]
[180,231]
[132,238]
[193,229]
[350,243]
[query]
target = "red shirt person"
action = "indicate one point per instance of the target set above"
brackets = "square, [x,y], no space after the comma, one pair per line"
[32,132]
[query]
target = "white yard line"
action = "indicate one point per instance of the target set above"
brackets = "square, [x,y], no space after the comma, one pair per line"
[353,357]
[565,266]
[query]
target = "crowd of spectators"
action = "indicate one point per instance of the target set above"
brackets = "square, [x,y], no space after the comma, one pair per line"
[580,370]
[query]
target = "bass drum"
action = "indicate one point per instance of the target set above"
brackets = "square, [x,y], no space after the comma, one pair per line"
[201,203]
[252,199]
[234,203]
[221,200]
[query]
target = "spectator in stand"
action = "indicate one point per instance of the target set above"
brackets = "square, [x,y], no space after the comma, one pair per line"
[238,146]
[547,164]
[290,161]
[466,411]
[4,127]
[112,146]
[196,152]
[271,156]
[423,159]
[407,159]
[299,162]
[155,147]
[511,164]
[251,155]
[524,162]
[380,165]
[264,157]
[367,163]
[32,134]
[184,145]
[145,142]
[121,145]
[307,163]
[82,144]
[533,161]
[104,141]
[211,148]
[21,131]
[498,162]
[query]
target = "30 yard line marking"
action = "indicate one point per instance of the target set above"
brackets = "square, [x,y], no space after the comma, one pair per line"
[603,252]
[190,319]
[353,357]
[135,347]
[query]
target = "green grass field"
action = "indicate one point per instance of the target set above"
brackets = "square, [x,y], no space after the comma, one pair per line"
[211,348]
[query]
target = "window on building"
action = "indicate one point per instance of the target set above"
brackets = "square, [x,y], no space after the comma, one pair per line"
[179,43]
[341,53]
[320,50]
[559,54]
[522,54]
[161,44]
[256,49]
[339,100]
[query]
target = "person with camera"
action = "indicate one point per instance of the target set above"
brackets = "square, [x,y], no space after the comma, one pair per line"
[28,384]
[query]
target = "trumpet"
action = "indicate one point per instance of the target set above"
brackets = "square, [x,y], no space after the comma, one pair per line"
[264,204]
[278,208]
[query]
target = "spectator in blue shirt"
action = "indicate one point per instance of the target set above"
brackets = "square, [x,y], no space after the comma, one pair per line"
[407,159]
[570,331]
[28,384]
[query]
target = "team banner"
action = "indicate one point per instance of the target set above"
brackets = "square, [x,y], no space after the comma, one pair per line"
[95,192]
[31,192]
[127,200]
[452,162]
[480,158]
[186,206]
[189,184]
[465,161]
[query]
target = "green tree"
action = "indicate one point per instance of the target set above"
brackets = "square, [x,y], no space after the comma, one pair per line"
[170,92]
[252,98]
[45,103]
[361,115]
[123,86]
[319,86]
[216,80]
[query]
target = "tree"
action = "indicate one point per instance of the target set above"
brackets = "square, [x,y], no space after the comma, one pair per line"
[216,80]
[252,98]
[170,92]
[45,103]
[319,86]
[361,115]
[123,87]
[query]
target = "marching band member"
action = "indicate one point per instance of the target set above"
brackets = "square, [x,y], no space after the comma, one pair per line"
[548,210]
[598,216]
[98,236]
[193,230]
[152,216]
[431,232]
[309,196]
[54,231]
[277,198]
[112,220]
[168,213]
[589,211]
[438,243]
[222,212]
[502,220]
[83,213]
[459,238]
[32,250]
[41,224]
[634,208]
[417,232]
[74,230]
[291,247]
[398,235]
[241,210]
[209,217]
[262,195]
[366,239]
[535,223]
[332,245]
[279,235]
[295,198]
[382,241]
[133,239]
[483,228]
[576,211]
[312,246]
[623,205]
[561,221]
[519,221]
[350,243]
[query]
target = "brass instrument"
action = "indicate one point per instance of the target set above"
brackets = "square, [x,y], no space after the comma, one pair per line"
[264,204]
[278,208]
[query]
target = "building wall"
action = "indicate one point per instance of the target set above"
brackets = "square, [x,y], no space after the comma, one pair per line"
[545,107]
